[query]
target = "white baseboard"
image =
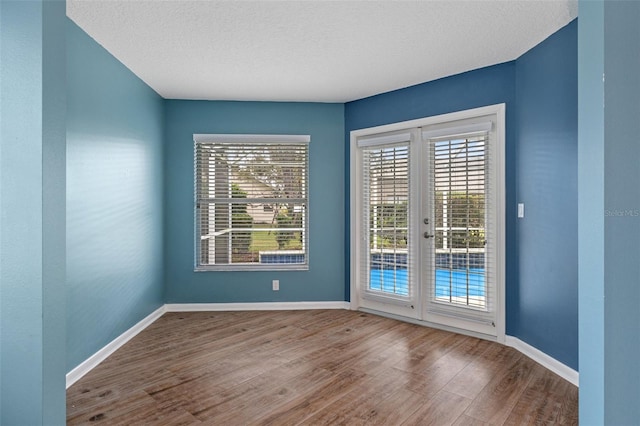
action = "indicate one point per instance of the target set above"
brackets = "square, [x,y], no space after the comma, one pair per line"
[95,359]
[567,373]
[257,306]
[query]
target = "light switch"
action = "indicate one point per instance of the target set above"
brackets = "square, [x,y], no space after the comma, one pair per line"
[520,209]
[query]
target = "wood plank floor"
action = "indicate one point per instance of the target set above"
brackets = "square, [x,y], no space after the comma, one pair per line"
[316,368]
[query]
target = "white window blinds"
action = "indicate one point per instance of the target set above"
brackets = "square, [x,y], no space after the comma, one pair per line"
[251,201]
[385,196]
[461,197]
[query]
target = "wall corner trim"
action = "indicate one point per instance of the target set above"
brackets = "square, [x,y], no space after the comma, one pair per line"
[552,364]
[95,359]
[256,306]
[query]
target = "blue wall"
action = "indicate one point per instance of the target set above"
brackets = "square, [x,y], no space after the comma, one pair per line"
[591,315]
[473,89]
[32,203]
[622,212]
[114,198]
[609,208]
[545,311]
[324,281]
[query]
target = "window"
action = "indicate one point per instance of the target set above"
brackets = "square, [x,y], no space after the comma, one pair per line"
[251,202]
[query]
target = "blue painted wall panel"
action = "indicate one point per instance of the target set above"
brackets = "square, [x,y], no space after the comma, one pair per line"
[21,219]
[622,212]
[546,164]
[114,198]
[324,280]
[32,242]
[590,211]
[54,208]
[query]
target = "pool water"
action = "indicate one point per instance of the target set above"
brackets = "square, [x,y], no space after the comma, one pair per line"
[449,282]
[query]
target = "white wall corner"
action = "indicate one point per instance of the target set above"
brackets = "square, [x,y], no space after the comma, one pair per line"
[567,373]
[95,359]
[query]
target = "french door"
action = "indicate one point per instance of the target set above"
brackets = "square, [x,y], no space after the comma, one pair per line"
[428,220]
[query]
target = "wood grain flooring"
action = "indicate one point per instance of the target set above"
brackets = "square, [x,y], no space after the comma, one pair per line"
[321,367]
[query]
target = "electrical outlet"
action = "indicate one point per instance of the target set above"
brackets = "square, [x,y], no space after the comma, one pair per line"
[520,210]
[275,284]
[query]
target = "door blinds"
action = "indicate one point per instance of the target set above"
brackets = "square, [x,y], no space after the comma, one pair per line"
[386,252]
[460,197]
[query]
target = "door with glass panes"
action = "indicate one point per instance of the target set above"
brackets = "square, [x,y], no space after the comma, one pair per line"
[458,242]
[429,241]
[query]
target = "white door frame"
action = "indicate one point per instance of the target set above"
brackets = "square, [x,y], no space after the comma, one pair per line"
[356,216]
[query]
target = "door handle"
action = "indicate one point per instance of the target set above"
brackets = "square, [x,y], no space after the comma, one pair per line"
[428,235]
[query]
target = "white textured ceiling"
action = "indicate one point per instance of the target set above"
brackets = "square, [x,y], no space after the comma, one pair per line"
[326,51]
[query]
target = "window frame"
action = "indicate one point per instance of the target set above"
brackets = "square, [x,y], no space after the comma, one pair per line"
[237,140]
